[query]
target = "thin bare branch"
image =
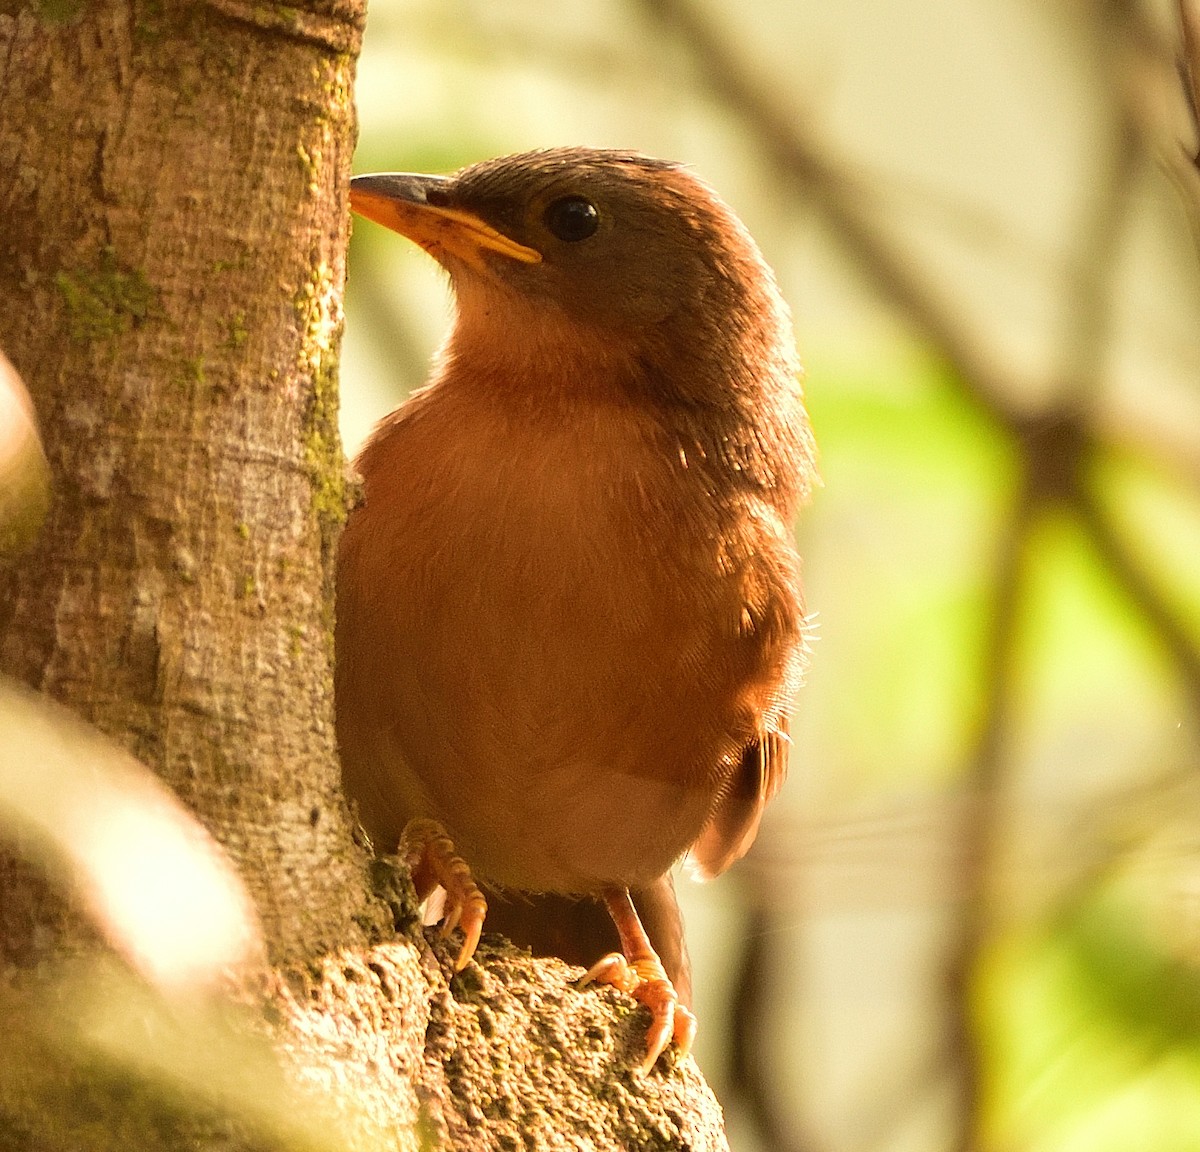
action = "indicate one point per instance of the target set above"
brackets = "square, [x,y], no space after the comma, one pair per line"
[747,1062]
[852,214]
[1138,586]
[980,816]
[1090,303]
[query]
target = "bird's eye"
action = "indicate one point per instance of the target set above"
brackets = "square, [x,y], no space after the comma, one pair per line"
[572,218]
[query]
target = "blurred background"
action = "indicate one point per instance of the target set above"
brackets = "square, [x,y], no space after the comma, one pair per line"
[973,919]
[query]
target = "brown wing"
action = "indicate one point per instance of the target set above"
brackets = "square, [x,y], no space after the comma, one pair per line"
[734,823]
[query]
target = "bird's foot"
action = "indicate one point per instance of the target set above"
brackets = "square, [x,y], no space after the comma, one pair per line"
[645,980]
[429,852]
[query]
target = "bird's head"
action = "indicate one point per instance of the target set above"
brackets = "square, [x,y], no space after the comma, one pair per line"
[578,258]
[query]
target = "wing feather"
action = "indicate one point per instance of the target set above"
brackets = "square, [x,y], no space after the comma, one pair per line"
[733,825]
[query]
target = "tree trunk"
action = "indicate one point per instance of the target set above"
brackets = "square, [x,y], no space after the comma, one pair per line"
[173,226]
[175,233]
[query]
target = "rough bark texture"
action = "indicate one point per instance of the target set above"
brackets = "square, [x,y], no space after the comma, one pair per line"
[173,225]
[381,1048]
[172,183]
[506,1055]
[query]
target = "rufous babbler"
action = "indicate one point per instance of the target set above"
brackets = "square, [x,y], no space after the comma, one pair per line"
[569,613]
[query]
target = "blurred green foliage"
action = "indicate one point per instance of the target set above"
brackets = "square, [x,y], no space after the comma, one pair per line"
[1095,1032]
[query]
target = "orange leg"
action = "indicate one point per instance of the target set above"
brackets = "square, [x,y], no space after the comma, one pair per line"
[429,852]
[640,973]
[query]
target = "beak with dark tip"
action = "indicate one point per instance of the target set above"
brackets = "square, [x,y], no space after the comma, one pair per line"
[408,203]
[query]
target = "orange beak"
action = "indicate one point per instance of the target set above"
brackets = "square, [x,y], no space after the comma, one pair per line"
[399,201]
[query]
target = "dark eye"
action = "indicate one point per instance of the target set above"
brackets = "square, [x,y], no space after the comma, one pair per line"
[572,218]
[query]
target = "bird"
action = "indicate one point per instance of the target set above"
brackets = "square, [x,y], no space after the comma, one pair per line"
[570,620]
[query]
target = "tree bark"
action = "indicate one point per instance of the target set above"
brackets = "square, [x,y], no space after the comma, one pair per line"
[173,226]
[174,199]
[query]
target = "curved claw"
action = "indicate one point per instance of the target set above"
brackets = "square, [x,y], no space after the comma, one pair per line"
[647,982]
[471,916]
[429,851]
[613,970]
[685,1030]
